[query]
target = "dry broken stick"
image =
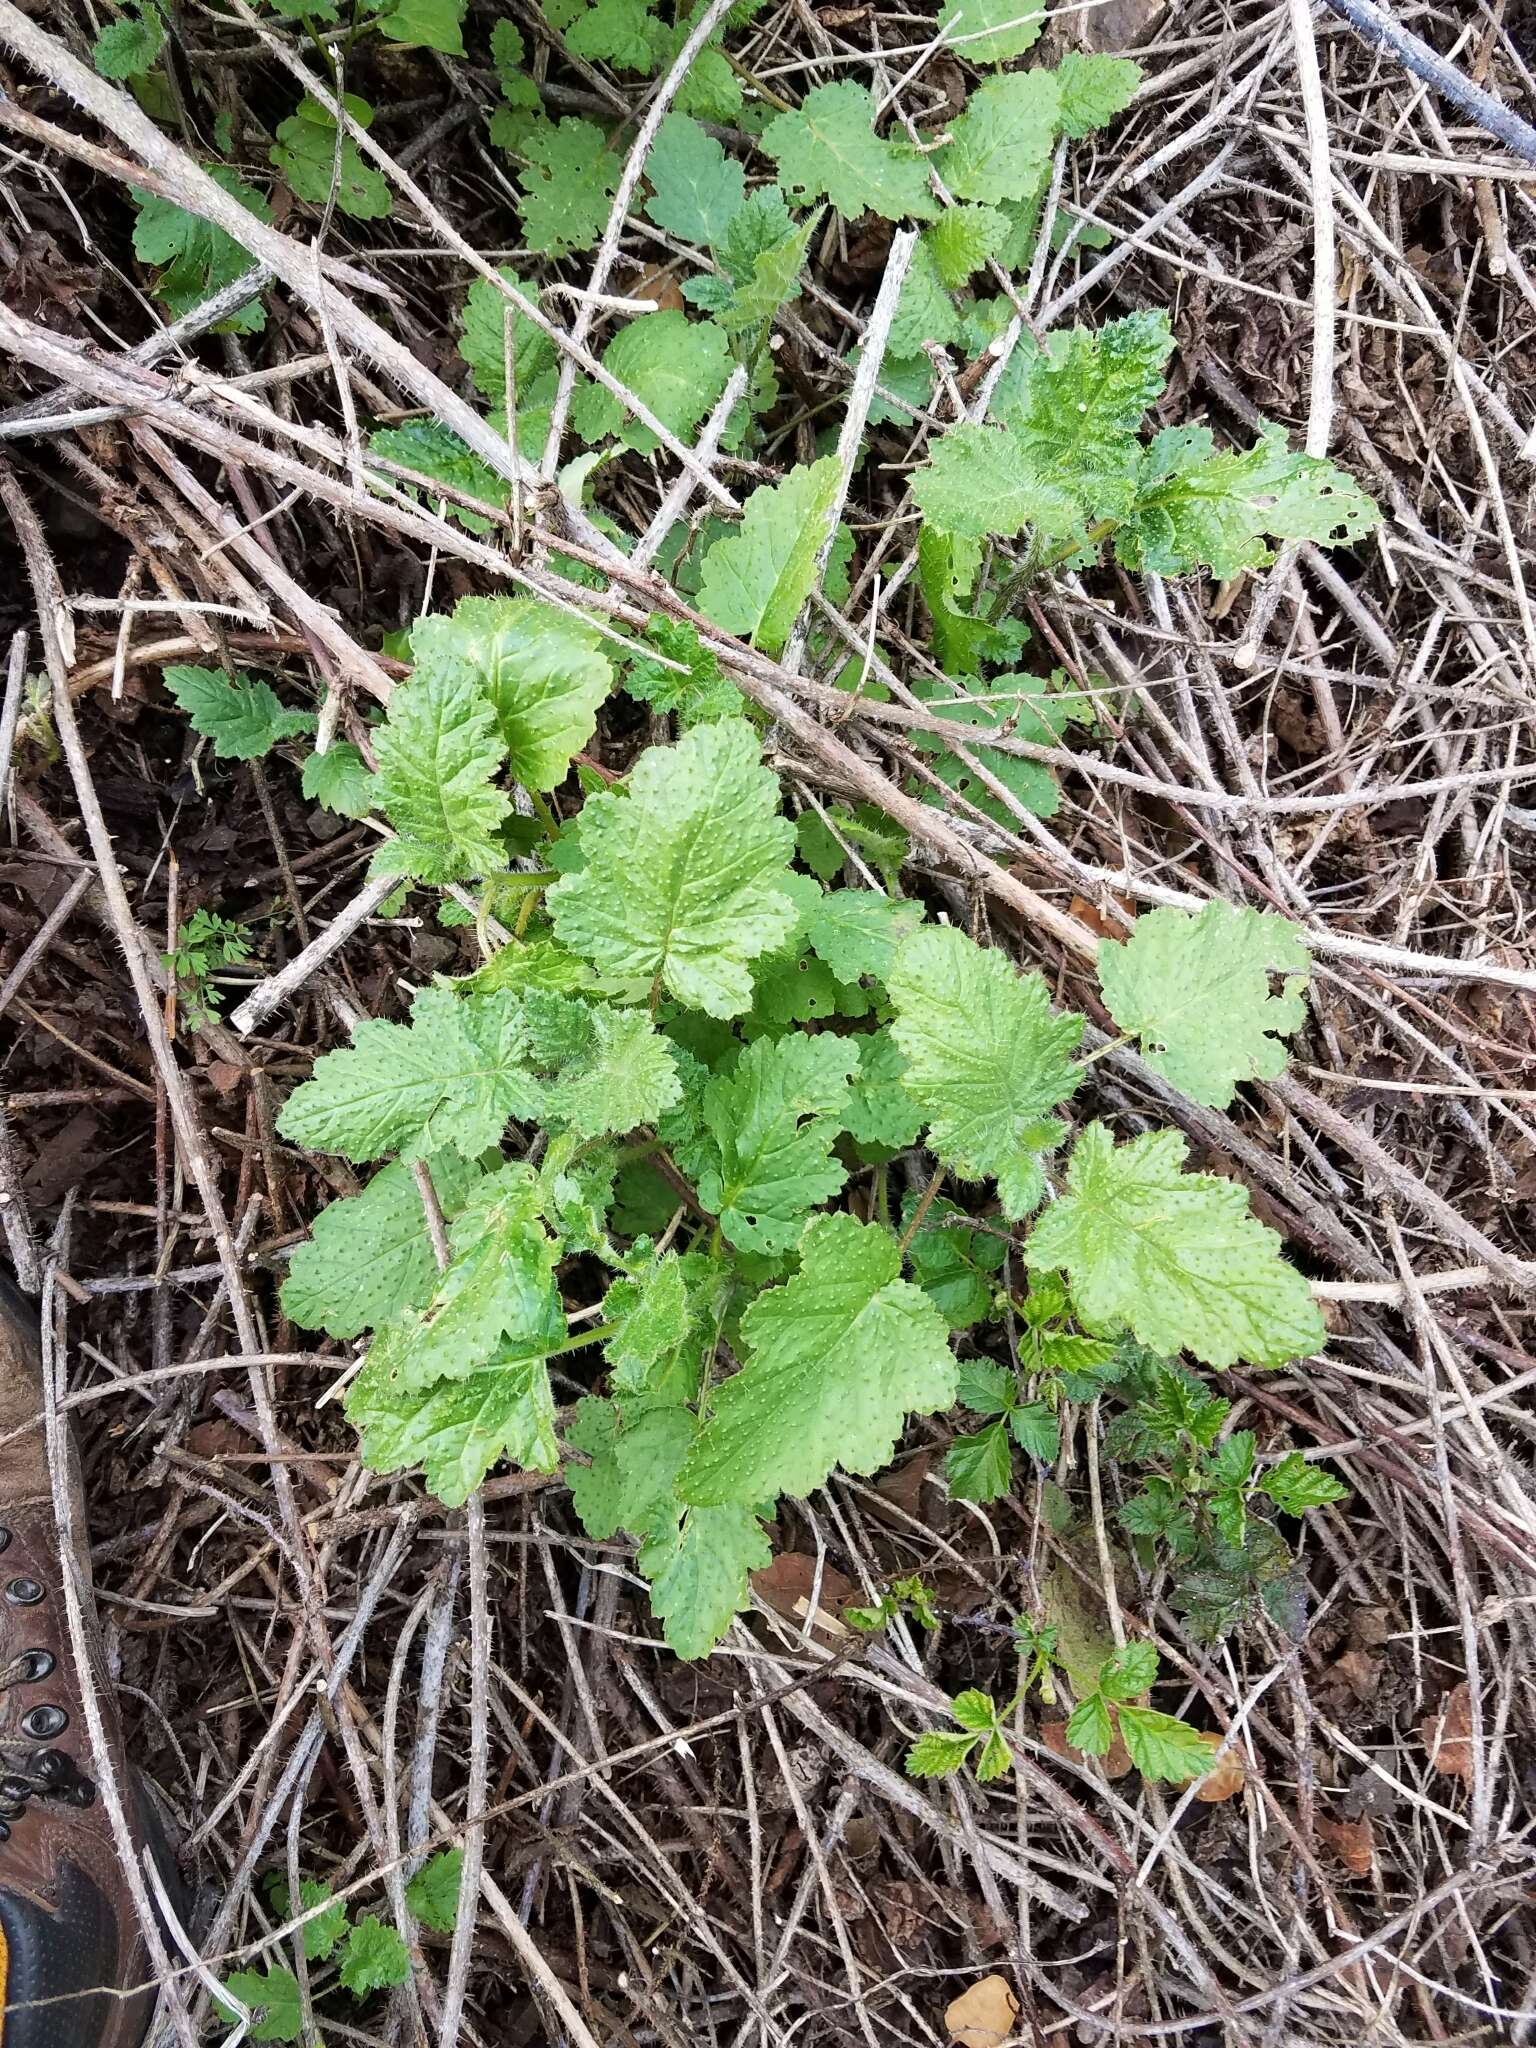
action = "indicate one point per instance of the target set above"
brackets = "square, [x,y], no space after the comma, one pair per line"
[1377,27]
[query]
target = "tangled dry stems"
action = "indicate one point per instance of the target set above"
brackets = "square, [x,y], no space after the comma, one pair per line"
[330,1672]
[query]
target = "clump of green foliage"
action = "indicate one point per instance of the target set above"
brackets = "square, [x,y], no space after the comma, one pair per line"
[724,1060]
[206,942]
[368,1953]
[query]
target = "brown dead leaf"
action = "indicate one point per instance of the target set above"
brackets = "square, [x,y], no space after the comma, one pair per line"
[982,2017]
[659,284]
[1351,1841]
[787,1584]
[1106,926]
[900,1909]
[903,1485]
[1116,1762]
[1447,1734]
[1224,1780]
[1360,1672]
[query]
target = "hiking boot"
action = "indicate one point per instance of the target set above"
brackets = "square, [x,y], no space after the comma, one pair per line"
[69,1934]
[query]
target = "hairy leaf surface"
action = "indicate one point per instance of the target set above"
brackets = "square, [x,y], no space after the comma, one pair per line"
[847,1349]
[986,1058]
[1195,989]
[684,879]
[1174,1257]
[542,671]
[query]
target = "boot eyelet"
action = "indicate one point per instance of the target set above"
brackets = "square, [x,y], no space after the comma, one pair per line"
[23,1592]
[81,1793]
[36,1665]
[10,1813]
[12,1789]
[5,1539]
[53,1766]
[5,1833]
[43,1722]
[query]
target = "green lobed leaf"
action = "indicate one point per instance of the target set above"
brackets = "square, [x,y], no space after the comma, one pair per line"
[683,880]
[963,644]
[1294,1485]
[937,1755]
[698,696]
[241,716]
[676,366]
[1130,1671]
[857,931]
[828,148]
[654,1318]
[128,46]
[616,32]
[976,485]
[425,25]
[1094,88]
[433,1893]
[1163,1748]
[499,1285]
[980,1467]
[1090,1729]
[925,313]
[986,1058]
[700,1573]
[1036,1430]
[975,1710]
[695,187]
[1196,506]
[439,752]
[1023,706]
[961,241]
[273,1994]
[374,1958]
[1000,147]
[195,258]
[880,1111]
[492,329]
[435,451]
[756,579]
[956,1267]
[1194,988]
[454,1076]
[762,255]
[370,1255]
[321,1934]
[1174,1257]
[991,31]
[772,1121]
[568,185]
[312,158]
[340,779]
[1081,402]
[837,1358]
[459,1428]
[628,1077]
[543,672]
[636,1453]
[996,1759]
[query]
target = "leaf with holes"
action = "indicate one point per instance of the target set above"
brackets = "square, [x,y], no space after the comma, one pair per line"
[828,148]
[1195,989]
